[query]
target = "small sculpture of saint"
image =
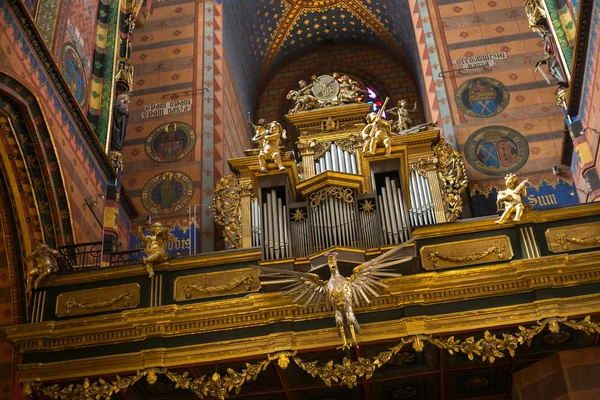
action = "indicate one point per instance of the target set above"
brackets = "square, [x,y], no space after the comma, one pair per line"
[511,199]
[404,121]
[119,122]
[269,139]
[378,130]
[155,245]
[348,90]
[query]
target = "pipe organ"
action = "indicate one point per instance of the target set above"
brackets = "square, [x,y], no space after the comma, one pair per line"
[255,223]
[274,226]
[393,214]
[341,198]
[336,159]
[421,212]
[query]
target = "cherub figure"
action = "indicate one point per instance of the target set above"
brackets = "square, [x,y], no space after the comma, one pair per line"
[377,130]
[155,245]
[404,121]
[45,265]
[303,98]
[512,198]
[269,141]
[348,90]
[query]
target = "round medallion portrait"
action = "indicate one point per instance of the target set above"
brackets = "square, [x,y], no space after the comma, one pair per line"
[496,150]
[74,73]
[167,193]
[482,97]
[170,142]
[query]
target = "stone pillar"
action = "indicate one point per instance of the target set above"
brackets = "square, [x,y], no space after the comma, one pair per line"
[566,375]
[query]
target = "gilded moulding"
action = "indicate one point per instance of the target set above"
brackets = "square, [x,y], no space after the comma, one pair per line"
[573,237]
[466,252]
[414,331]
[519,276]
[487,224]
[92,301]
[216,284]
[489,347]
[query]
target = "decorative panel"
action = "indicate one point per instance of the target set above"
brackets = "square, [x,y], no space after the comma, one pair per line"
[573,237]
[216,284]
[110,298]
[466,252]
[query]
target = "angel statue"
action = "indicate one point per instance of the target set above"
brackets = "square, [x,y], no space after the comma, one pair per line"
[377,130]
[404,121]
[45,265]
[155,245]
[340,293]
[303,98]
[269,139]
[512,198]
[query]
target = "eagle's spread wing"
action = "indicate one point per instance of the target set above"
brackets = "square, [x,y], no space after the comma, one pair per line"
[366,278]
[305,286]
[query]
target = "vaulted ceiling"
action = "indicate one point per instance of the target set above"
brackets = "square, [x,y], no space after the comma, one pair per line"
[260,36]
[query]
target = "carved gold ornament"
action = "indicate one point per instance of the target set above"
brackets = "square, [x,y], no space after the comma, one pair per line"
[452,175]
[331,191]
[89,301]
[436,256]
[226,207]
[489,347]
[215,284]
[562,239]
[246,281]
[573,237]
[125,296]
[466,252]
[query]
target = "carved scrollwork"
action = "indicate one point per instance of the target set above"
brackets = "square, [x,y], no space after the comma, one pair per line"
[331,191]
[422,165]
[320,148]
[452,175]
[226,207]
[348,144]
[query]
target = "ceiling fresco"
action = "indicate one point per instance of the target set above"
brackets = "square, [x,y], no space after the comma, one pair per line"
[260,36]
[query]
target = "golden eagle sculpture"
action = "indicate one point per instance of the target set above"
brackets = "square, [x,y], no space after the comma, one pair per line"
[341,293]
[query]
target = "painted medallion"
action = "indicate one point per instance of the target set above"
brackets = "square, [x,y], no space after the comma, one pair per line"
[167,193]
[482,97]
[496,150]
[170,142]
[74,74]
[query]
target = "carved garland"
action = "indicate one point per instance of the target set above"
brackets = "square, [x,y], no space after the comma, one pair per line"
[452,175]
[125,296]
[562,239]
[436,256]
[247,280]
[489,348]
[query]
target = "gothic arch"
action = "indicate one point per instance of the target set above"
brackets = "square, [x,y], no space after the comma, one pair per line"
[31,170]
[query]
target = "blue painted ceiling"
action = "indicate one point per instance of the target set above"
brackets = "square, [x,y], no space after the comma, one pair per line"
[260,36]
